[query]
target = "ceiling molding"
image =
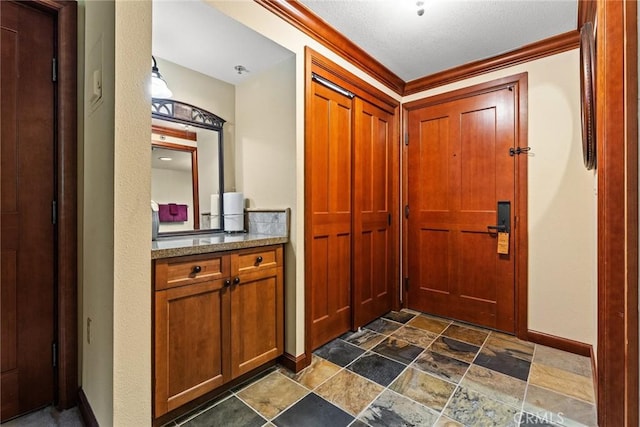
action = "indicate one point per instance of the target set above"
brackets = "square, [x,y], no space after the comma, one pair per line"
[309,23]
[546,47]
[306,21]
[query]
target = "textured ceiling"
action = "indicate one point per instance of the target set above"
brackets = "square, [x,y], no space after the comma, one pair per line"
[448,34]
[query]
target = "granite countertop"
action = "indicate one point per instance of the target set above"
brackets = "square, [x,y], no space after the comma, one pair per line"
[166,247]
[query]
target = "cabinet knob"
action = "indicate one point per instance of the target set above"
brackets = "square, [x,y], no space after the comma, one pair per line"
[259,259]
[227,283]
[236,280]
[196,269]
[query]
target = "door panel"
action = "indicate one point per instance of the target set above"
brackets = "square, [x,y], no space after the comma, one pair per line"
[374,193]
[27,191]
[459,168]
[328,176]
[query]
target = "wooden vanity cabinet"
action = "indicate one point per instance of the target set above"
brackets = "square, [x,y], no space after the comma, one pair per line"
[217,316]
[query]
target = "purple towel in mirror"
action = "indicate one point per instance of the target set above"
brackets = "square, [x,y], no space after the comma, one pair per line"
[172,212]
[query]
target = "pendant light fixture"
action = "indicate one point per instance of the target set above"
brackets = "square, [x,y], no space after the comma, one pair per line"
[159,88]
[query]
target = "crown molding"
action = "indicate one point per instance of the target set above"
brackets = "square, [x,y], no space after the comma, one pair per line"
[537,50]
[309,23]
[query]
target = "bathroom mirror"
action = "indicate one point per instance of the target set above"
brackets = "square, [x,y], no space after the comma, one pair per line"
[187,167]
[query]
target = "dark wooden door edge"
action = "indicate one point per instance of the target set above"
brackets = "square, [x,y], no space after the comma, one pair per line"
[520,83]
[66,167]
[294,363]
[565,344]
[85,409]
[617,158]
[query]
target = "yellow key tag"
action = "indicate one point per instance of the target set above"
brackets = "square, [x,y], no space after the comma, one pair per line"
[503,243]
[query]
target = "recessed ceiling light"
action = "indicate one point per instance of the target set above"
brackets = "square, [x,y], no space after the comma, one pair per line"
[165,159]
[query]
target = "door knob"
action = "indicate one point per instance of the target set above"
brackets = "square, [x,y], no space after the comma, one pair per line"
[259,259]
[236,280]
[196,269]
[227,283]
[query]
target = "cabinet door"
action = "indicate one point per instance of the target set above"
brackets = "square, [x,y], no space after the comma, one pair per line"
[191,323]
[257,324]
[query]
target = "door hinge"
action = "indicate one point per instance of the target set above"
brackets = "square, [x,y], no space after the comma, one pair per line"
[389,218]
[518,151]
[54,212]
[406,211]
[54,351]
[54,70]
[406,138]
[406,283]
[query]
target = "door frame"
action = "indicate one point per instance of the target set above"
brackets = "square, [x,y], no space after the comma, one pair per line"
[519,82]
[66,102]
[617,157]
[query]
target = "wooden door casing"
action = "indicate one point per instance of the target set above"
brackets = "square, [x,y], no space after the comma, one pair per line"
[459,168]
[328,195]
[374,242]
[27,192]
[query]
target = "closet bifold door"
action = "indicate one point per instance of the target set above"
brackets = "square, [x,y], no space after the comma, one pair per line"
[329,213]
[374,190]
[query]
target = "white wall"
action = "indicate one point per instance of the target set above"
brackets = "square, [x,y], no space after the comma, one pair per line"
[562,199]
[266,157]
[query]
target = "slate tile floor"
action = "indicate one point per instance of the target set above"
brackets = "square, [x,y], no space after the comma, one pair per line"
[411,369]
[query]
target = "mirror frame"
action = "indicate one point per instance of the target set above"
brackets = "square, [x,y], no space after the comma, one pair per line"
[180,112]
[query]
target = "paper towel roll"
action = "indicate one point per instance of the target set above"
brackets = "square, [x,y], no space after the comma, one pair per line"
[233,203]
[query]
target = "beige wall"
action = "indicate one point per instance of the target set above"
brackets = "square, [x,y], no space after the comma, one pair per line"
[211,94]
[96,270]
[562,200]
[114,269]
[266,157]
[132,218]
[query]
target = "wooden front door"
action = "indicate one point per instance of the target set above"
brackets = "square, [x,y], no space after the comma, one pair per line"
[459,168]
[374,191]
[26,195]
[328,213]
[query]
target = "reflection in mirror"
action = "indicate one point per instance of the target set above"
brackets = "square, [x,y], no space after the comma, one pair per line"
[174,185]
[188,186]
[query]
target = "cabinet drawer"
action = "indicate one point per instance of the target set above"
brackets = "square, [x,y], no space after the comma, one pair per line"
[251,260]
[181,271]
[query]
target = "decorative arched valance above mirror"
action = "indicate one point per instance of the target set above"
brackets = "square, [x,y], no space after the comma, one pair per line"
[197,201]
